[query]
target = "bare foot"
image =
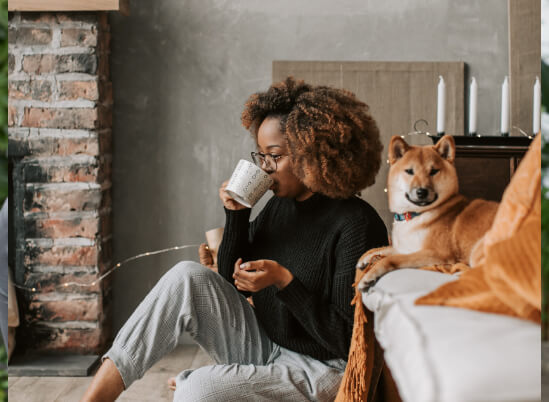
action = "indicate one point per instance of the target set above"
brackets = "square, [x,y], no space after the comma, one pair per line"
[171,383]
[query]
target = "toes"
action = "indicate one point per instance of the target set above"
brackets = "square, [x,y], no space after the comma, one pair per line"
[171,383]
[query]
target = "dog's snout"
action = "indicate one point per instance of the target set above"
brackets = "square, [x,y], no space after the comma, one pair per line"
[422,193]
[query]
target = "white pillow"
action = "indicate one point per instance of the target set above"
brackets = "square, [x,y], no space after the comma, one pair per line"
[439,354]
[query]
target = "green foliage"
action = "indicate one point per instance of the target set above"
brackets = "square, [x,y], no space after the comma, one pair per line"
[3,100]
[3,157]
[3,376]
[545,200]
[545,86]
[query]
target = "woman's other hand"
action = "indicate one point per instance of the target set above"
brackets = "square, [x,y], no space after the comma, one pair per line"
[253,276]
[228,201]
[206,258]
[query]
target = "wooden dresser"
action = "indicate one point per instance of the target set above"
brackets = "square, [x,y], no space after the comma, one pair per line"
[485,165]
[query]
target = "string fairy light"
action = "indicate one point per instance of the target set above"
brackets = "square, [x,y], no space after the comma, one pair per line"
[523,132]
[110,271]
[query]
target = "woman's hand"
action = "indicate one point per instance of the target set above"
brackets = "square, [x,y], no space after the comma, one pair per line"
[228,201]
[253,276]
[206,258]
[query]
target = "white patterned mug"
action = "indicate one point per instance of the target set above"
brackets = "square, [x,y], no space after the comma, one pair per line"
[248,183]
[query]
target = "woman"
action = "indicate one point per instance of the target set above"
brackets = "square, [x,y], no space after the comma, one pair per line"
[297,259]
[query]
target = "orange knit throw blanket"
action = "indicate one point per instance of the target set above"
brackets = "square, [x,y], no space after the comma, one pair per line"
[355,385]
[508,282]
[357,377]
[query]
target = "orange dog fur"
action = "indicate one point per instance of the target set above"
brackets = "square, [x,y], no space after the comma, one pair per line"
[448,228]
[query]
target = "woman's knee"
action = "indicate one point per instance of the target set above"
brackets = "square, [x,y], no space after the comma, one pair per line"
[185,271]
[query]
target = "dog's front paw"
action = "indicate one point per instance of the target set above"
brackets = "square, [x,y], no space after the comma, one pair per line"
[371,256]
[365,284]
[368,280]
[376,271]
[365,259]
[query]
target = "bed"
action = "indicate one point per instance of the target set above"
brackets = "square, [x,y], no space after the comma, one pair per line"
[438,353]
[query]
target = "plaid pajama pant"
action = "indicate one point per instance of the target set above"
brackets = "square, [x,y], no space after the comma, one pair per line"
[249,366]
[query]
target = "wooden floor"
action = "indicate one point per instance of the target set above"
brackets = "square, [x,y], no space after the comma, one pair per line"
[152,387]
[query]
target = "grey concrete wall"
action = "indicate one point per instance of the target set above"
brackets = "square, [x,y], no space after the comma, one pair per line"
[182,70]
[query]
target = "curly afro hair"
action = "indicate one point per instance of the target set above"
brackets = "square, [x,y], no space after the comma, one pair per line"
[332,141]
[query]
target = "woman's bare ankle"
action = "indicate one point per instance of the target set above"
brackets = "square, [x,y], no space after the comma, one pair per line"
[106,385]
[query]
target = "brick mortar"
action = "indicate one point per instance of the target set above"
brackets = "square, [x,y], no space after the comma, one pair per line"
[46,243]
[19,50]
[68,186]
[69,214]
[54,296]
[63,187]
[68,324]
[63,104]
[92,271]
[67,160]
[69,242]
[60,77]
[60,269]
[35,133]
[71,269]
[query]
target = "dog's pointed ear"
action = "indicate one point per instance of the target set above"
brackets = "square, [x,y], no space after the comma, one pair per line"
[446,147]
[397,148]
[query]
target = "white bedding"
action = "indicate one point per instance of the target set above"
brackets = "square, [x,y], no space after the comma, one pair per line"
[443,354]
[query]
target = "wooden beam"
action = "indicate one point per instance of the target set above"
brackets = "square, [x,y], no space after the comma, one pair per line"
[69,5]
[524,60]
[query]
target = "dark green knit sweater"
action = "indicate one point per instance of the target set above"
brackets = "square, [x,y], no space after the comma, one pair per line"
[320,241]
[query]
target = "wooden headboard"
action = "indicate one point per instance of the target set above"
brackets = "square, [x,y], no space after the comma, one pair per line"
[398,93]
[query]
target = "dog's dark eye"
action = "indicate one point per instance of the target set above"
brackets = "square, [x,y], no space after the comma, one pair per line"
[409,171]
[434,171]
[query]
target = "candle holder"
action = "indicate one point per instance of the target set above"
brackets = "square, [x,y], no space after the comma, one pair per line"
[418,131]
[420,136]
[487,141]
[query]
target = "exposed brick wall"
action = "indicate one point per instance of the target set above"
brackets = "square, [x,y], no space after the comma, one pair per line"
[59,124]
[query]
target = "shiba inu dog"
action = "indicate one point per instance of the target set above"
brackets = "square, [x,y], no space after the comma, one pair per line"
[433,224]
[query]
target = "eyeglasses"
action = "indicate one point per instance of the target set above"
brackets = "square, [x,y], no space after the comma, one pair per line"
[267,160]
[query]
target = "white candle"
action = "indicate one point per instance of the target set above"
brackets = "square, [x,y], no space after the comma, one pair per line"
[505,106]
[536,123]
[473,95]
[441,105]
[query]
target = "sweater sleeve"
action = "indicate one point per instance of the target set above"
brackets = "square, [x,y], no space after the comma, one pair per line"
[238,236]
[235,241]
[330,321]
